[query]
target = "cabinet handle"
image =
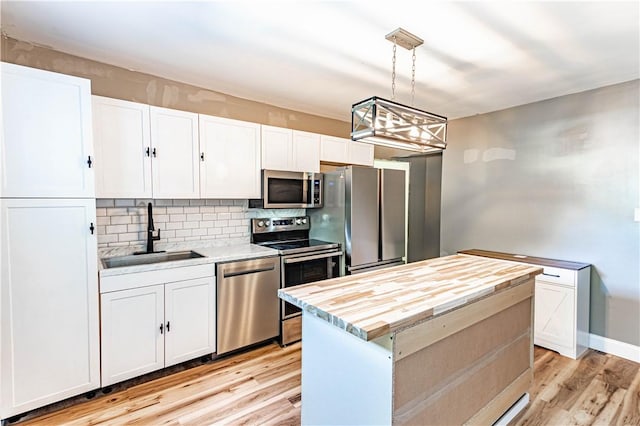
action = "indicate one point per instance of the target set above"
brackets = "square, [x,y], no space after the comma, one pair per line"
[551,275]
[89,161]
[91,228]
[168,326]
[154,152]
[202,156]
[161,328]
[148,152]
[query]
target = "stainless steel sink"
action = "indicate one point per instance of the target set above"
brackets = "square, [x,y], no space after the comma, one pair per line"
[148,258]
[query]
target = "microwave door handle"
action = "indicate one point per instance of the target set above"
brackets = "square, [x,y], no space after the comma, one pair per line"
[307,197]
[313,257]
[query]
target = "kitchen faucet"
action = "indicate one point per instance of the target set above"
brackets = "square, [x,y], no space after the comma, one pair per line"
[150,237]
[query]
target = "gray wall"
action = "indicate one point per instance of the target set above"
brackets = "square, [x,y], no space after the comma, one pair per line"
[558,179]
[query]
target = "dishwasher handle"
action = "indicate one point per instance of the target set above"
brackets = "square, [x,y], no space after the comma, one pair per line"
[248,271]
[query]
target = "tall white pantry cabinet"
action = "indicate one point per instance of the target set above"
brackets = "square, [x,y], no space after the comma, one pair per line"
[49,332]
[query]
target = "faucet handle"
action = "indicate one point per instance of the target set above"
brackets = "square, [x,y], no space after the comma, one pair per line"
[157,237]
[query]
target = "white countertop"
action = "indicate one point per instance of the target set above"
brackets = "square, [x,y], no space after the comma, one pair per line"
[213,254]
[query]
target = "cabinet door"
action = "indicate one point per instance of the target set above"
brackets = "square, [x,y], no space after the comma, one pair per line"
[132,324]
[306,152]
[47,134]
[334,150]
[123,148]
[360,153]
[175,153]
[230,166]
[554,322]
[189,319]
[277,151]
[49,302]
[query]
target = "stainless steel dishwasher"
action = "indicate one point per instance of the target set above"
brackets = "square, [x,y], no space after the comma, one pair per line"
[248,304]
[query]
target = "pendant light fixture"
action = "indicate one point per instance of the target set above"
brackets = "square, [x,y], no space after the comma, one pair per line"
[388,123]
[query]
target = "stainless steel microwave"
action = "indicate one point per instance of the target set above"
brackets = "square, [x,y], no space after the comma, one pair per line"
[291,190]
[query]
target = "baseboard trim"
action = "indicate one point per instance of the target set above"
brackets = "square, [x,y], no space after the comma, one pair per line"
[615,347]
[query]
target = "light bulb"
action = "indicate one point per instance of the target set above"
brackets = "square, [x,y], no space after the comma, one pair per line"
[414,133]
[389,122]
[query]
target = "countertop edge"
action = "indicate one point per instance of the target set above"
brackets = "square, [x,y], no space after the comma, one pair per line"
[532,260]
[231,253]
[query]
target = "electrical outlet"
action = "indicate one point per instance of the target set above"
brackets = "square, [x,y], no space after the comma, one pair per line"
[636,214]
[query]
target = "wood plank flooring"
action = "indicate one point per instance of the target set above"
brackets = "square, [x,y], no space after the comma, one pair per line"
[263,387]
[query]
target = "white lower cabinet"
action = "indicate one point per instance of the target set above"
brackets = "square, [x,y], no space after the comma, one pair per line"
[554,315]
[153,324]
[131,341]
[49,345]
[561,319]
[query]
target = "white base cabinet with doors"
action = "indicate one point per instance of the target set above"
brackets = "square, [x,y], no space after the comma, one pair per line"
[145,151]
[290,150]
[48,302]
[345,151]
[562,310]
[561,320]
[155,319]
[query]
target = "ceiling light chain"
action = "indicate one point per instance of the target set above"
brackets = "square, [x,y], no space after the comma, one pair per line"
[413,77]
[393,72]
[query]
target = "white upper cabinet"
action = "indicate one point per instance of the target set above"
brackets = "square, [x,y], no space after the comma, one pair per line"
[345,151]
[230,158]
[122,140]
[47,145]
[175,153]
[277,151]
[360,153]
[306,151]
[333,150]
[143,151]
[290,150]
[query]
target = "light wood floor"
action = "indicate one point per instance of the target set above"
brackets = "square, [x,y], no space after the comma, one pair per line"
[263,387]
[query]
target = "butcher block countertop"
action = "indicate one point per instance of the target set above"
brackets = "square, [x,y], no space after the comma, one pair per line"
[376,303]
[543,261]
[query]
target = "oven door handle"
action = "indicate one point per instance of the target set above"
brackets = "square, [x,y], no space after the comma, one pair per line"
[312,257]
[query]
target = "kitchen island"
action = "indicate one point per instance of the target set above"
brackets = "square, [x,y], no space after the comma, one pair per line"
[442,341]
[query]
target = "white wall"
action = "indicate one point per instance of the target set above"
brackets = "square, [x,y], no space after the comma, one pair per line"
[558,179]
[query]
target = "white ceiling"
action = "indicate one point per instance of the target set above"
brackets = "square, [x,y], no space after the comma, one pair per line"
[322,56]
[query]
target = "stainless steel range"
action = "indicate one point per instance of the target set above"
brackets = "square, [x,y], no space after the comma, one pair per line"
[302,261]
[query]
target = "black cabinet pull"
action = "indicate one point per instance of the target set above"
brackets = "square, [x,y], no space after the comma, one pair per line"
[154,152]
[161,328]
[551,275]
[202,156]
[91,228]
[89,161]
[148,152]
[168,326]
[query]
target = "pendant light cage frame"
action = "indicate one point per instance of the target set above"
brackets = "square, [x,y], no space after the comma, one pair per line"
[383,122]
[388,123]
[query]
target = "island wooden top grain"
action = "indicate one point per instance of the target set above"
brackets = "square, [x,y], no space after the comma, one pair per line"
[372,304]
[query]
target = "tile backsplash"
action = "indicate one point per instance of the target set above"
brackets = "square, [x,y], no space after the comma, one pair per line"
[123,222]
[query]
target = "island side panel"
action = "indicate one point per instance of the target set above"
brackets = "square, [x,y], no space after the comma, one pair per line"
[475,362]
[345,380]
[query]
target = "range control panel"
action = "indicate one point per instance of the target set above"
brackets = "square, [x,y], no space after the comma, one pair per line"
[276,224]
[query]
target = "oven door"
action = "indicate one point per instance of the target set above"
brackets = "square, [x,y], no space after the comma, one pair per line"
[307,268]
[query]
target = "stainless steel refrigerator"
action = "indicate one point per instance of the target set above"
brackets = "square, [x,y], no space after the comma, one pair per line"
[364,210]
